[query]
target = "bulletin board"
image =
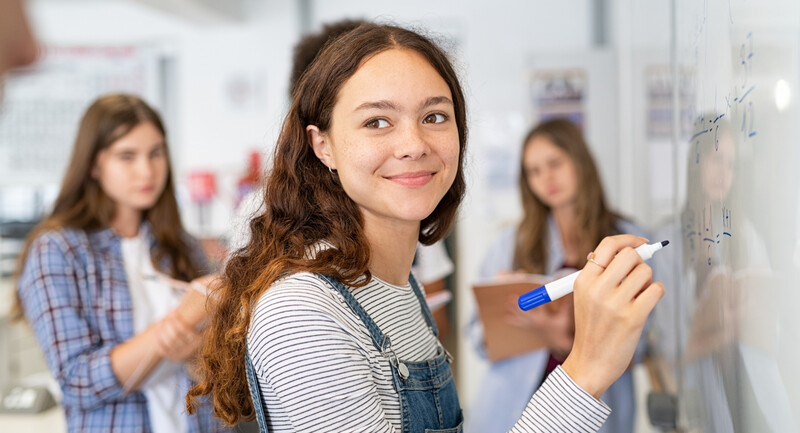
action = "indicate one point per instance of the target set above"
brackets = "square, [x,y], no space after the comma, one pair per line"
[42,105]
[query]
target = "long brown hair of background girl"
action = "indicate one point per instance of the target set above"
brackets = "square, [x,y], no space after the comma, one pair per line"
[593,216]
[305,204]
[82,204]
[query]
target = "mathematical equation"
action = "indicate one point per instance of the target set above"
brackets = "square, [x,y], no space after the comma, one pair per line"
[738,107]
[705,229]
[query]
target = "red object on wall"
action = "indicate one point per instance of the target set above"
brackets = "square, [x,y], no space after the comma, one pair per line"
[202,186]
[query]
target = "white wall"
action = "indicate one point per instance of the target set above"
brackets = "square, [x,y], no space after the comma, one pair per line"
[211,129]
[496,45]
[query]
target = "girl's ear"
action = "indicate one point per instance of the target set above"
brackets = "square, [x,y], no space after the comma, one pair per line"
[319,142]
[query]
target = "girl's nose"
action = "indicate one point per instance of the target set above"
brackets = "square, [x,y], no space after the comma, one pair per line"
[412,143]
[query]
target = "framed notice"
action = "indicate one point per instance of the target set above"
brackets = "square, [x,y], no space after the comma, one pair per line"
[42,105]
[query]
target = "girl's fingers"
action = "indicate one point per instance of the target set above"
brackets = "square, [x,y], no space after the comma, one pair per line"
[637,280]
[647,300]
[620,267]
[605,252]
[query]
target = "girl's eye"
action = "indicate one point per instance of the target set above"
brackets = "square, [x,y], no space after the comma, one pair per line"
[157,153]
[435,118]
[377,123]
[126,156]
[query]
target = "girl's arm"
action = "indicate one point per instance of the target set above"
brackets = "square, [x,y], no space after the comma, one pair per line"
[90,372]
[51,296]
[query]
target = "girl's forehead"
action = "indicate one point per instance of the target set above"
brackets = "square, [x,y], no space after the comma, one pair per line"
[397,74]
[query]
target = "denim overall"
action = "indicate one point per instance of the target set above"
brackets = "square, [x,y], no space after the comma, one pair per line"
[427,390]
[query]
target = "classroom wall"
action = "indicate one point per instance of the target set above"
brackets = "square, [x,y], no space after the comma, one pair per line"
[496,45]
[226,80]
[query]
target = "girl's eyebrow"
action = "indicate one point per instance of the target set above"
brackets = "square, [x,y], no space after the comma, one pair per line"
[389,105]
[435,100]
[381,105]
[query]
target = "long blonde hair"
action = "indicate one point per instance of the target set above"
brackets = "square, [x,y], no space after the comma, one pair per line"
[593,216]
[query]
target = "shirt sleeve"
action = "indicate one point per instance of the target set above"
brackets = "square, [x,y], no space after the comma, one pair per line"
[560,405]
[49,288]
[320,373]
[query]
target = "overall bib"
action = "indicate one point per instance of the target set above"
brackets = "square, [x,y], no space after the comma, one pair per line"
[427,391]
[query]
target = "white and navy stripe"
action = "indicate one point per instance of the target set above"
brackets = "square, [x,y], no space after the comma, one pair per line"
[319,371]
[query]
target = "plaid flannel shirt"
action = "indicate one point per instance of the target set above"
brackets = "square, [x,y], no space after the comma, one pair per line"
[74,292]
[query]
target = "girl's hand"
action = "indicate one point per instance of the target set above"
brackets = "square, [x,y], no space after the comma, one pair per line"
[197,301]
[612,301]
[176,339]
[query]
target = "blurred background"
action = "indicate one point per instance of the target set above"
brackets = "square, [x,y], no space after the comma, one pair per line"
[633,74]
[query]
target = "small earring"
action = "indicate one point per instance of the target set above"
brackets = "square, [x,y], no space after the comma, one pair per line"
[330,170]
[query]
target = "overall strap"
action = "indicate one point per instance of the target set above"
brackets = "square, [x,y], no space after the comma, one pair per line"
[380,341]
[423,304]
[255,393]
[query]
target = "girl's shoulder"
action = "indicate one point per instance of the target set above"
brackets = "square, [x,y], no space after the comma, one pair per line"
[301,303]
[301,290]
[63,237]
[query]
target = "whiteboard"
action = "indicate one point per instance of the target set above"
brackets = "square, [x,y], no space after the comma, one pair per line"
[727,333]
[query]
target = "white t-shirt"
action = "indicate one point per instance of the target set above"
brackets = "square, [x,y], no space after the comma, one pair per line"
[152,300]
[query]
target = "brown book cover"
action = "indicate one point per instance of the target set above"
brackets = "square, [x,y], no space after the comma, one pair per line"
[494,298]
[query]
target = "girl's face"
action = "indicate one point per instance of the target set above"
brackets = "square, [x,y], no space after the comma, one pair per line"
[393,138]
[133,170]
[550,172]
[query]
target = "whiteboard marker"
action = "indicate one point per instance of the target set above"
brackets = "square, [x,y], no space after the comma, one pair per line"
[563,286]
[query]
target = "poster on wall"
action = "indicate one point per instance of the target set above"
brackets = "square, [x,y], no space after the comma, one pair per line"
[42,105]
[560,93]
[658,79]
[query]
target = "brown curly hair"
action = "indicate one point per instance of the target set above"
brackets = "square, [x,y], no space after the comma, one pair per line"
[305,204]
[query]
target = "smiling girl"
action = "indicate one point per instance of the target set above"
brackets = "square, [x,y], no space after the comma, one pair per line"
[320,312]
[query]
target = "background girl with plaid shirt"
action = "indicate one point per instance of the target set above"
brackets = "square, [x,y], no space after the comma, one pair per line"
[100,280]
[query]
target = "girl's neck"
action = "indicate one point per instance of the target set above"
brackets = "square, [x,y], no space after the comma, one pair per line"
[126,222]
[392,252]
[565,218]
[568,230]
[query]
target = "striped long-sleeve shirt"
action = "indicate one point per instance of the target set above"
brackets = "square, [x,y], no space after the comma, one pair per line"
[319,371]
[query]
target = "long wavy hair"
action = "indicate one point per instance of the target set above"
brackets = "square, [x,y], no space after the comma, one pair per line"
[593,215]
[82,203]
[304,204]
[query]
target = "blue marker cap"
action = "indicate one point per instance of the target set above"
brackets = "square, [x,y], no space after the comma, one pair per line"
[533,299]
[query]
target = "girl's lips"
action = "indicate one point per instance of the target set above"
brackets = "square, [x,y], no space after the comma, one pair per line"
[419,178]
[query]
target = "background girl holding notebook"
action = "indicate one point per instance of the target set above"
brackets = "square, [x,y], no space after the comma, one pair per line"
[565,215]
